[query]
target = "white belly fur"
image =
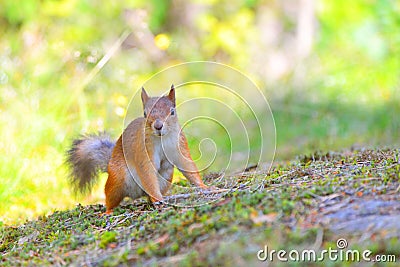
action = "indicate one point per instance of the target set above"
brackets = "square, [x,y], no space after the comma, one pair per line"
[165,152]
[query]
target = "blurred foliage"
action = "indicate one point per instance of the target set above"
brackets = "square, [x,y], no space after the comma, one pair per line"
[330,70]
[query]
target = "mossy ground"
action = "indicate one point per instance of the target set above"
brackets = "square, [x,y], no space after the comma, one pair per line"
[308,203]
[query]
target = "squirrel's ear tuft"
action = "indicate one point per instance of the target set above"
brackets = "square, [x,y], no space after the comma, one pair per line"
[171,94]
[145,97]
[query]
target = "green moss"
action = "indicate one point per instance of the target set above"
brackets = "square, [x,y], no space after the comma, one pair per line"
[107,238]
[218,233]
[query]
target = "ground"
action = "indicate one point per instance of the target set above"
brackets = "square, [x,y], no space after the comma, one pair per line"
[344,201]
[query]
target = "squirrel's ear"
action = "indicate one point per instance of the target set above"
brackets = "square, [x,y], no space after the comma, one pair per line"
[145,97]
[171,94]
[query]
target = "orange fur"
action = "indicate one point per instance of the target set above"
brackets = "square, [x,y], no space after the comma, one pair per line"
[189,168]
[139,165]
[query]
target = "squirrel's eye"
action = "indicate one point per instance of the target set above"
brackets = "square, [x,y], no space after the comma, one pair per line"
[172,111]
[145,114]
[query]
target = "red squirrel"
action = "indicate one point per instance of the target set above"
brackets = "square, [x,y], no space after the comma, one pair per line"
[142,160]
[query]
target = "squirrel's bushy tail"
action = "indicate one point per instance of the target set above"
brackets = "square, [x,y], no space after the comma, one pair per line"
[88,156]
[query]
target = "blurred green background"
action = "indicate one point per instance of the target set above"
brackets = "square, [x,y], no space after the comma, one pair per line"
[329,69]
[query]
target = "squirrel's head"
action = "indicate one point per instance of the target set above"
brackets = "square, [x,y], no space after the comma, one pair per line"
[159,112]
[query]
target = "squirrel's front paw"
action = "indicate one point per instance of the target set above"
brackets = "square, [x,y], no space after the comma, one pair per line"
[154,200]
[157,203]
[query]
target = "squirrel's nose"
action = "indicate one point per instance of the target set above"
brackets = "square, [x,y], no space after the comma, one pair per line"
[158,124]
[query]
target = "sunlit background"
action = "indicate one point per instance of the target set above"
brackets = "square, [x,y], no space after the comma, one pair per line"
[329,69]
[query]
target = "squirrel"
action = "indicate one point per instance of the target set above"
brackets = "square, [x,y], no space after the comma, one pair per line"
[141,161]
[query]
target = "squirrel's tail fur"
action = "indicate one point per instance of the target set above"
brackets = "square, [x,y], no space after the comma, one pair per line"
[88,156]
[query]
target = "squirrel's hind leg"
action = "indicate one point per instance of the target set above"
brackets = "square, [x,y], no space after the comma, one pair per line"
[114,191]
